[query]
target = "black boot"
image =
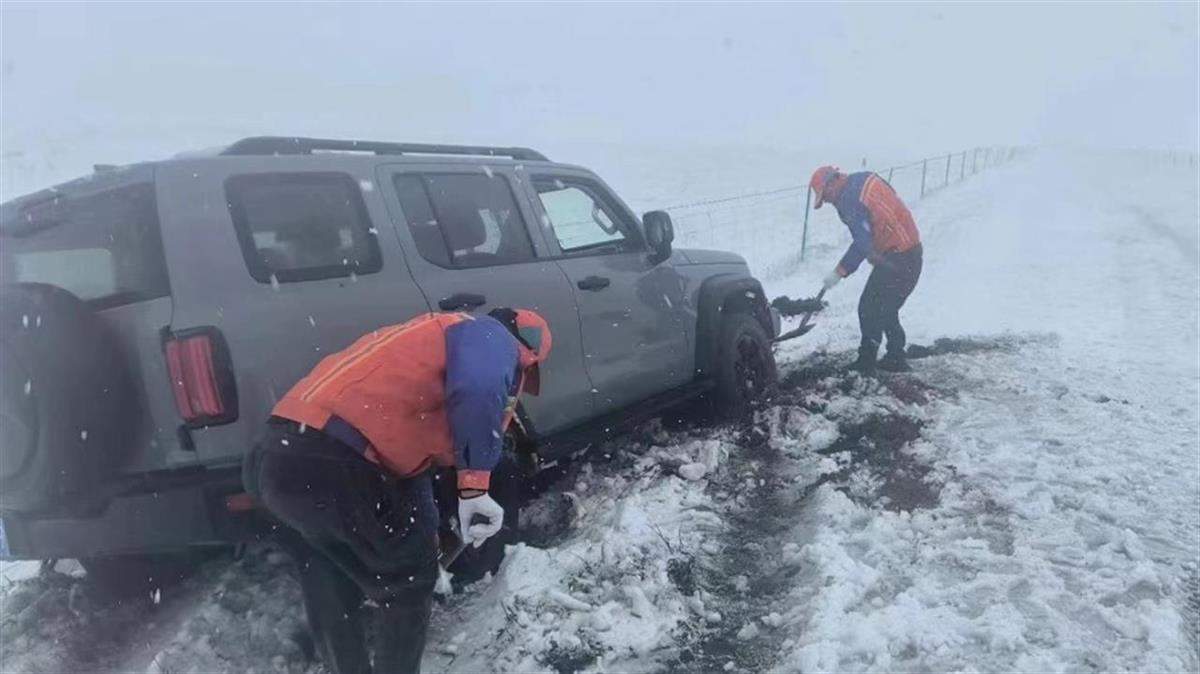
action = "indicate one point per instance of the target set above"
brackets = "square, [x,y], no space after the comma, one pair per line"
[865,363]
[894,362]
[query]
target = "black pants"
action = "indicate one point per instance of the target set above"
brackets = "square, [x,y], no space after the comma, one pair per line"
[363,540]
[891,282]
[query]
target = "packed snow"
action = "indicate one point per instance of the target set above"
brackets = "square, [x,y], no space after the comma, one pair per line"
[1026,499]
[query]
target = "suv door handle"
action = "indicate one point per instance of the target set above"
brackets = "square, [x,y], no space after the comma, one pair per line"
[459,301]
[593,283]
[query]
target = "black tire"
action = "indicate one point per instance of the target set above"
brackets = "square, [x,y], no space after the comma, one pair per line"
[745,368]
[66,399]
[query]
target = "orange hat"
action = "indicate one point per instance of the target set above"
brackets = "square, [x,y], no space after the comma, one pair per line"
[820,180]
[533,342]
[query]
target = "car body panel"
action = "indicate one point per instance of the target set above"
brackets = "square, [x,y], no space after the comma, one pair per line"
[537,284]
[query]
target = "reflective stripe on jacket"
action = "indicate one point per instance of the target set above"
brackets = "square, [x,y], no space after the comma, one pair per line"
[878,220]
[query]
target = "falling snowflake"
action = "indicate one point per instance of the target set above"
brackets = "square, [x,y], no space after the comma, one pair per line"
[25,321]
[366,185]
[487,169]
[373,231]
[284,442]
[312,322]
[274,282]
[83,435]
[28,386]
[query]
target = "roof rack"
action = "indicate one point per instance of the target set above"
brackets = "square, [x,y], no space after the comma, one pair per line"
[268,145]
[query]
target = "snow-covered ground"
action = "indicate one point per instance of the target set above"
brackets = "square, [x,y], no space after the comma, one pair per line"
[1027,499]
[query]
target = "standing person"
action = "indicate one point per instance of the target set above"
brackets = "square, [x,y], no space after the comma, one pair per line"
[345,465]
[885,233]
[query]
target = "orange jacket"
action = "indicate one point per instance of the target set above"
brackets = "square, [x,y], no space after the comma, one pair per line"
[878,220]
[390,386]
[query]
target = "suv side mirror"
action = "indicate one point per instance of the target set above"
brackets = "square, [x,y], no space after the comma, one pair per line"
[659,233]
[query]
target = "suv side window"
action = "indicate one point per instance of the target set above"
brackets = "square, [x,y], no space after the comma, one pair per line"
[580,218]
[302,226]
[463,219]
[105,248]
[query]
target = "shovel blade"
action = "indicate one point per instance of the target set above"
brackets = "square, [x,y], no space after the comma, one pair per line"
[794,333]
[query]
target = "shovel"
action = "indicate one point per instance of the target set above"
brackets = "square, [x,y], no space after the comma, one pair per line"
[804,326]
[452,548]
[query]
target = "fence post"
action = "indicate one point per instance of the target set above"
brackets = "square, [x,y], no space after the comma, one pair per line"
[946,180]
[804,235]
[924,170]
[962,167]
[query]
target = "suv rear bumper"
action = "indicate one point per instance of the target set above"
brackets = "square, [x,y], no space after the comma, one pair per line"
[174,517]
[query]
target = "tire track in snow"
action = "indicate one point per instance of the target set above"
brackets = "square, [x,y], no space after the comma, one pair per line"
[745,575]
[767,491]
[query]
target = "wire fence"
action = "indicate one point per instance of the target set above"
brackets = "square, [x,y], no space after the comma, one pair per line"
[770,221]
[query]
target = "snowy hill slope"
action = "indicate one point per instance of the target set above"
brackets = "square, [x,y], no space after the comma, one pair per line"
[1027,499]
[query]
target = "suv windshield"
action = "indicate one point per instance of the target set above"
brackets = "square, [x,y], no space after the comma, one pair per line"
[105,248]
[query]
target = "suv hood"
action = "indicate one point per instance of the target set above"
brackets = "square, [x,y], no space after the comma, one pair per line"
[700,256]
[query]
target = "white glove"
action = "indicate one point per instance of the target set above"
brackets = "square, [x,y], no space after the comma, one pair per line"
[831,279]
[487,514]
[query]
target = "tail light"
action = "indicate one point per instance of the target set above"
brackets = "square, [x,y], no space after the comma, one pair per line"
[201,376]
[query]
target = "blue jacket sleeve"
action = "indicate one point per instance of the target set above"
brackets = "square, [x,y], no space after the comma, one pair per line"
[481,366]
[859,249]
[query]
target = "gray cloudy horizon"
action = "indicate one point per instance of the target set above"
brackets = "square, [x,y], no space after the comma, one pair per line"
[915,78]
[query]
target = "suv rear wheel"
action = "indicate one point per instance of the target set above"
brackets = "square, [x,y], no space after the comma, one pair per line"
[66,398]
[745,368]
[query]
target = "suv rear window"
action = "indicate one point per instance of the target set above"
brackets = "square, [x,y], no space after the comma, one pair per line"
[302,226]
[105,248]
[463,219]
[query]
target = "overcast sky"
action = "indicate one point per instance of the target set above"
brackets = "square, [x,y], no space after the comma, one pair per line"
[916,78]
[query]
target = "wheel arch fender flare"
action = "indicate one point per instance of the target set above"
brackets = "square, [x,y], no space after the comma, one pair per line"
[719,295]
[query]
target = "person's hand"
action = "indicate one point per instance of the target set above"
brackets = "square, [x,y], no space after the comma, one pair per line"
[831,279]
[479,517]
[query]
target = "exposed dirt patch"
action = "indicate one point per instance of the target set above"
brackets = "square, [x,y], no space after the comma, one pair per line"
[746,576]
[880,469]
[814,368]
[1191,610]
[570,658]
[969,345]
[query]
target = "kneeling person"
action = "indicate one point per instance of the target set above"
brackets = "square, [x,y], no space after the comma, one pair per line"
[346,461]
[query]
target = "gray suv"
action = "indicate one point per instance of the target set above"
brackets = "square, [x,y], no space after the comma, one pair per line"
[152,314]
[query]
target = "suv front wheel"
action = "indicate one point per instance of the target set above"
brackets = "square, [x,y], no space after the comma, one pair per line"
[745,368]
